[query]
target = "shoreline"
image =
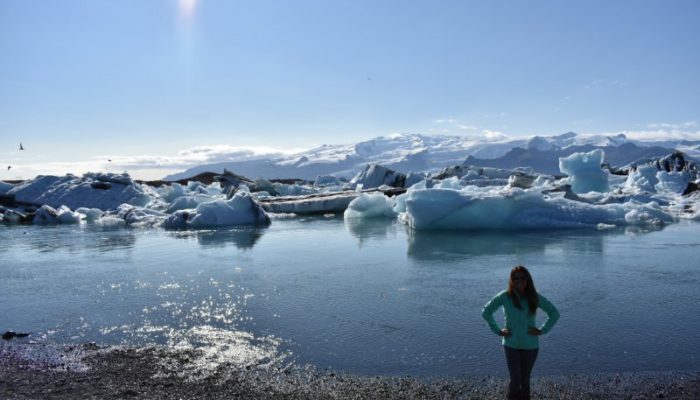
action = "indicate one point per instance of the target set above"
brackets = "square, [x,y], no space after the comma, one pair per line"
[90,372]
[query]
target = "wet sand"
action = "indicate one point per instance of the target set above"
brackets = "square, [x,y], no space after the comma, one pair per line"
[89,372]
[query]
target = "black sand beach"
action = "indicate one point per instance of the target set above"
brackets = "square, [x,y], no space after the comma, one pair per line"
[90,372]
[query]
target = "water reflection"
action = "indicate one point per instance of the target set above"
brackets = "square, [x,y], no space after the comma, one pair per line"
[74,239]
[438,245]
[243,238]
[372,229]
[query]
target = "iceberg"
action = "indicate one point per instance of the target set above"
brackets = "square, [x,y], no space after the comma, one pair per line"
[5,187]
[642,179]
[585,171]
[188,201]
[370,205]
[241,209]
[90,214]
[171,192]
[49,215]
[322,203]
[519,209]
[92,190]
[673,182]
[374,176]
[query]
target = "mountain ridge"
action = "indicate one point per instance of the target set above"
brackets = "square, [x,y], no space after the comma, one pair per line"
[412,152]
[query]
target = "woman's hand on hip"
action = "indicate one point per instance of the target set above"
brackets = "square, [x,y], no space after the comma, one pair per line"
[534,331]
[504,332]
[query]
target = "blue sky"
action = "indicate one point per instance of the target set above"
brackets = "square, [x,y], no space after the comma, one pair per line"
[81,80]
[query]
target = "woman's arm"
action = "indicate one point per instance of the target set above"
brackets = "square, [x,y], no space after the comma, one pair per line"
[552,313]
[489,309]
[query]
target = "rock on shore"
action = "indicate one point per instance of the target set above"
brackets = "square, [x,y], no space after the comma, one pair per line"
[157,373]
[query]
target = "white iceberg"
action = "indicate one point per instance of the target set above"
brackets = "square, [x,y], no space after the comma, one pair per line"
[642,179]
[585,171]
[516,209]
[370,205]
[673,182]
[90,214]
[171,192]
[241,209]
[188,201]
[92,190]
[49,215]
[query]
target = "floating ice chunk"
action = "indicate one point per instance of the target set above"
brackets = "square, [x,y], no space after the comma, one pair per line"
[412,178]
[370,205]
[673,182]
[648,215]
[688,207]
[49,215]
[171,192]
[5,187]
[93,190]
[543,180]
[137,216]
[375,175]
[194,186]
[498,173]
[513,209]
[449,183]
[602,227]
[585,172]
[214,189]
[11,216]
[326,180]
[189,201]
[91,214]
[424,184]
[643,178]
[292,190]
[400,203]
[315,204]
[241,209]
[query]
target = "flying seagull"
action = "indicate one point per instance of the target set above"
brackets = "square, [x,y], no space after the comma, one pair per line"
[8,167]
[20,146]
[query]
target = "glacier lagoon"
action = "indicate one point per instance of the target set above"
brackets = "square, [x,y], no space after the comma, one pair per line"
[370,296]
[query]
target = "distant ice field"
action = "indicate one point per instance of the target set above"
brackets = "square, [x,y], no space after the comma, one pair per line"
[363,296]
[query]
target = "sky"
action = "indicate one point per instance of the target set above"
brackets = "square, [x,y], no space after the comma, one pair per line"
[158,82]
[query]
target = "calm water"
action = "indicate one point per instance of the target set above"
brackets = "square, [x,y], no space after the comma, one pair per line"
[370,298]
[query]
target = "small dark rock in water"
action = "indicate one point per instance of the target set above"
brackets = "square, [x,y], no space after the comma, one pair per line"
[9,335]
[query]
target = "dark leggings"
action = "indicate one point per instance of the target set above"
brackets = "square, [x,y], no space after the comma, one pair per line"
[520,363]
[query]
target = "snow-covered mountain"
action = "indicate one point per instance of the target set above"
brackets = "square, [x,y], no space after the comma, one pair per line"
[421,153]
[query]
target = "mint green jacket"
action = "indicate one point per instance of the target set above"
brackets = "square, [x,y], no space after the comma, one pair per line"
[519,320]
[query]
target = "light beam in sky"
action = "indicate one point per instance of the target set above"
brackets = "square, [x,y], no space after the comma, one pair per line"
[187,8]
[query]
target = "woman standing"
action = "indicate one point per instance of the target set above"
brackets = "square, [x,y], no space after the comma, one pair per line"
[520,335]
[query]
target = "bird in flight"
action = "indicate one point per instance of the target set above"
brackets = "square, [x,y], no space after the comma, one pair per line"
[8,167]
[20,146]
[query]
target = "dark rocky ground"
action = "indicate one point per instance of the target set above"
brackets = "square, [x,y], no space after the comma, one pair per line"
[88,372]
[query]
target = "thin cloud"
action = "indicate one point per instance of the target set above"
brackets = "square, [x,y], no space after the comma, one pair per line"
[494,135]
[151,166]
[681,126]
[446,121]
[657,134]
